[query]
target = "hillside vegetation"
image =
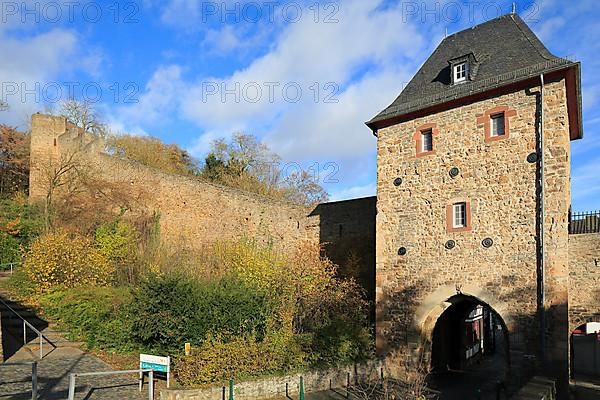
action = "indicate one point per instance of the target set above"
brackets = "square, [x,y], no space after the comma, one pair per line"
[94,263]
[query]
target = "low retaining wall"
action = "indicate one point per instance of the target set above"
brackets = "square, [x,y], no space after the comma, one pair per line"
[276,387]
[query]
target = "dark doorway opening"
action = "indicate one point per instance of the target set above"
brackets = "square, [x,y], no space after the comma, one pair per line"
[469,353]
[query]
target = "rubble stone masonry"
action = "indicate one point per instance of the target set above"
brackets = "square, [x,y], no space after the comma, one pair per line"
[192,211]
[499,186]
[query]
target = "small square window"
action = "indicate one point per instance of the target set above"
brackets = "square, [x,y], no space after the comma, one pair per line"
[460,72]
[427,141]
[459,213]
[497,128]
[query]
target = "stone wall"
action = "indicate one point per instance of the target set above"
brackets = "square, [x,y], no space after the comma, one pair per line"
[499,184]
[347,233]
[192,212]
[276,387]
[584,279]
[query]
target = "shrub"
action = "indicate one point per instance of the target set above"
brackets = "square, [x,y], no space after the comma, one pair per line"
[118,242]
[308,299]
[94,315]
[168,311]
[10,250]
[66,260]
[19,226]
[216,361]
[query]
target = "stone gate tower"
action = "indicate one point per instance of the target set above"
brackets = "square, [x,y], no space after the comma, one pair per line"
[474,194]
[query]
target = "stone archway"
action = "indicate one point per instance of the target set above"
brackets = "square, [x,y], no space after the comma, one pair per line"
[434,305]
[464,338]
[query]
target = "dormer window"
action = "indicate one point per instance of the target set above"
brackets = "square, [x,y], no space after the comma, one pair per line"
[462,68]
[460,71]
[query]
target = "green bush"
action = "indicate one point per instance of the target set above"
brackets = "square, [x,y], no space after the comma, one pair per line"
[216,361]
[94,315]
[118,242]
[10,250]
[20,224]
[168,311]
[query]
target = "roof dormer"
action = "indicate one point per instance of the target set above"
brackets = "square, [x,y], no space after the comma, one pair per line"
[460,68]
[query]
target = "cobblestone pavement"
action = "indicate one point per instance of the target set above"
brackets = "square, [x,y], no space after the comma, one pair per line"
[53,378]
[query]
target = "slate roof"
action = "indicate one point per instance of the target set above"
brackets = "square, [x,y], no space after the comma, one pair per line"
[502,51]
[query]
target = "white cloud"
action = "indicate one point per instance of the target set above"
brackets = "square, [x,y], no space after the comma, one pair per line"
[159,102]
[33,63]
[370,53]
[203,144]
[307,53]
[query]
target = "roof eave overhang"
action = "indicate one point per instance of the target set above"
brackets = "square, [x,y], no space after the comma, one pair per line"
[571,73]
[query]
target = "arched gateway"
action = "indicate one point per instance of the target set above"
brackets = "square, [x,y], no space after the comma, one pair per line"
[457,328]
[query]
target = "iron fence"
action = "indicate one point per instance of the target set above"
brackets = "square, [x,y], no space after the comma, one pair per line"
[584,222]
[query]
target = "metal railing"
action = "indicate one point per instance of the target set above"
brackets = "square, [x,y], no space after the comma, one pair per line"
[9,266]
[73,377]
[26,325]
[34,375]
[584,222]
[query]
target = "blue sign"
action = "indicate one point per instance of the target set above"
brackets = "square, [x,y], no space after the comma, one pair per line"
[154,367]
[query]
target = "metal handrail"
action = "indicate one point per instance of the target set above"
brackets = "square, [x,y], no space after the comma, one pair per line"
[33,328]
[11,265]
[72,378]
[34,375]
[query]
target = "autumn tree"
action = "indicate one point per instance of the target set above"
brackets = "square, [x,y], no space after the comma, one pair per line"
[14,161]
[84,115]
[303,188]
[152,152]
[245,163]
[67,174]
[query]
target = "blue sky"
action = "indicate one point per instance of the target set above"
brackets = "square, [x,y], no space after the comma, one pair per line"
[301,75]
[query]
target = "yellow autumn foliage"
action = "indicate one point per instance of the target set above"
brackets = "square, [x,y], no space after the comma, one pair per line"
[63,259]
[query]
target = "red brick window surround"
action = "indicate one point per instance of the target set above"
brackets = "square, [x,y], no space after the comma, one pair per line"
[458,217]
[424,139]
[496,123]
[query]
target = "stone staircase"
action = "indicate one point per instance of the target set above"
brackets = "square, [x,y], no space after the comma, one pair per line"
[14,347]
[60,359]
